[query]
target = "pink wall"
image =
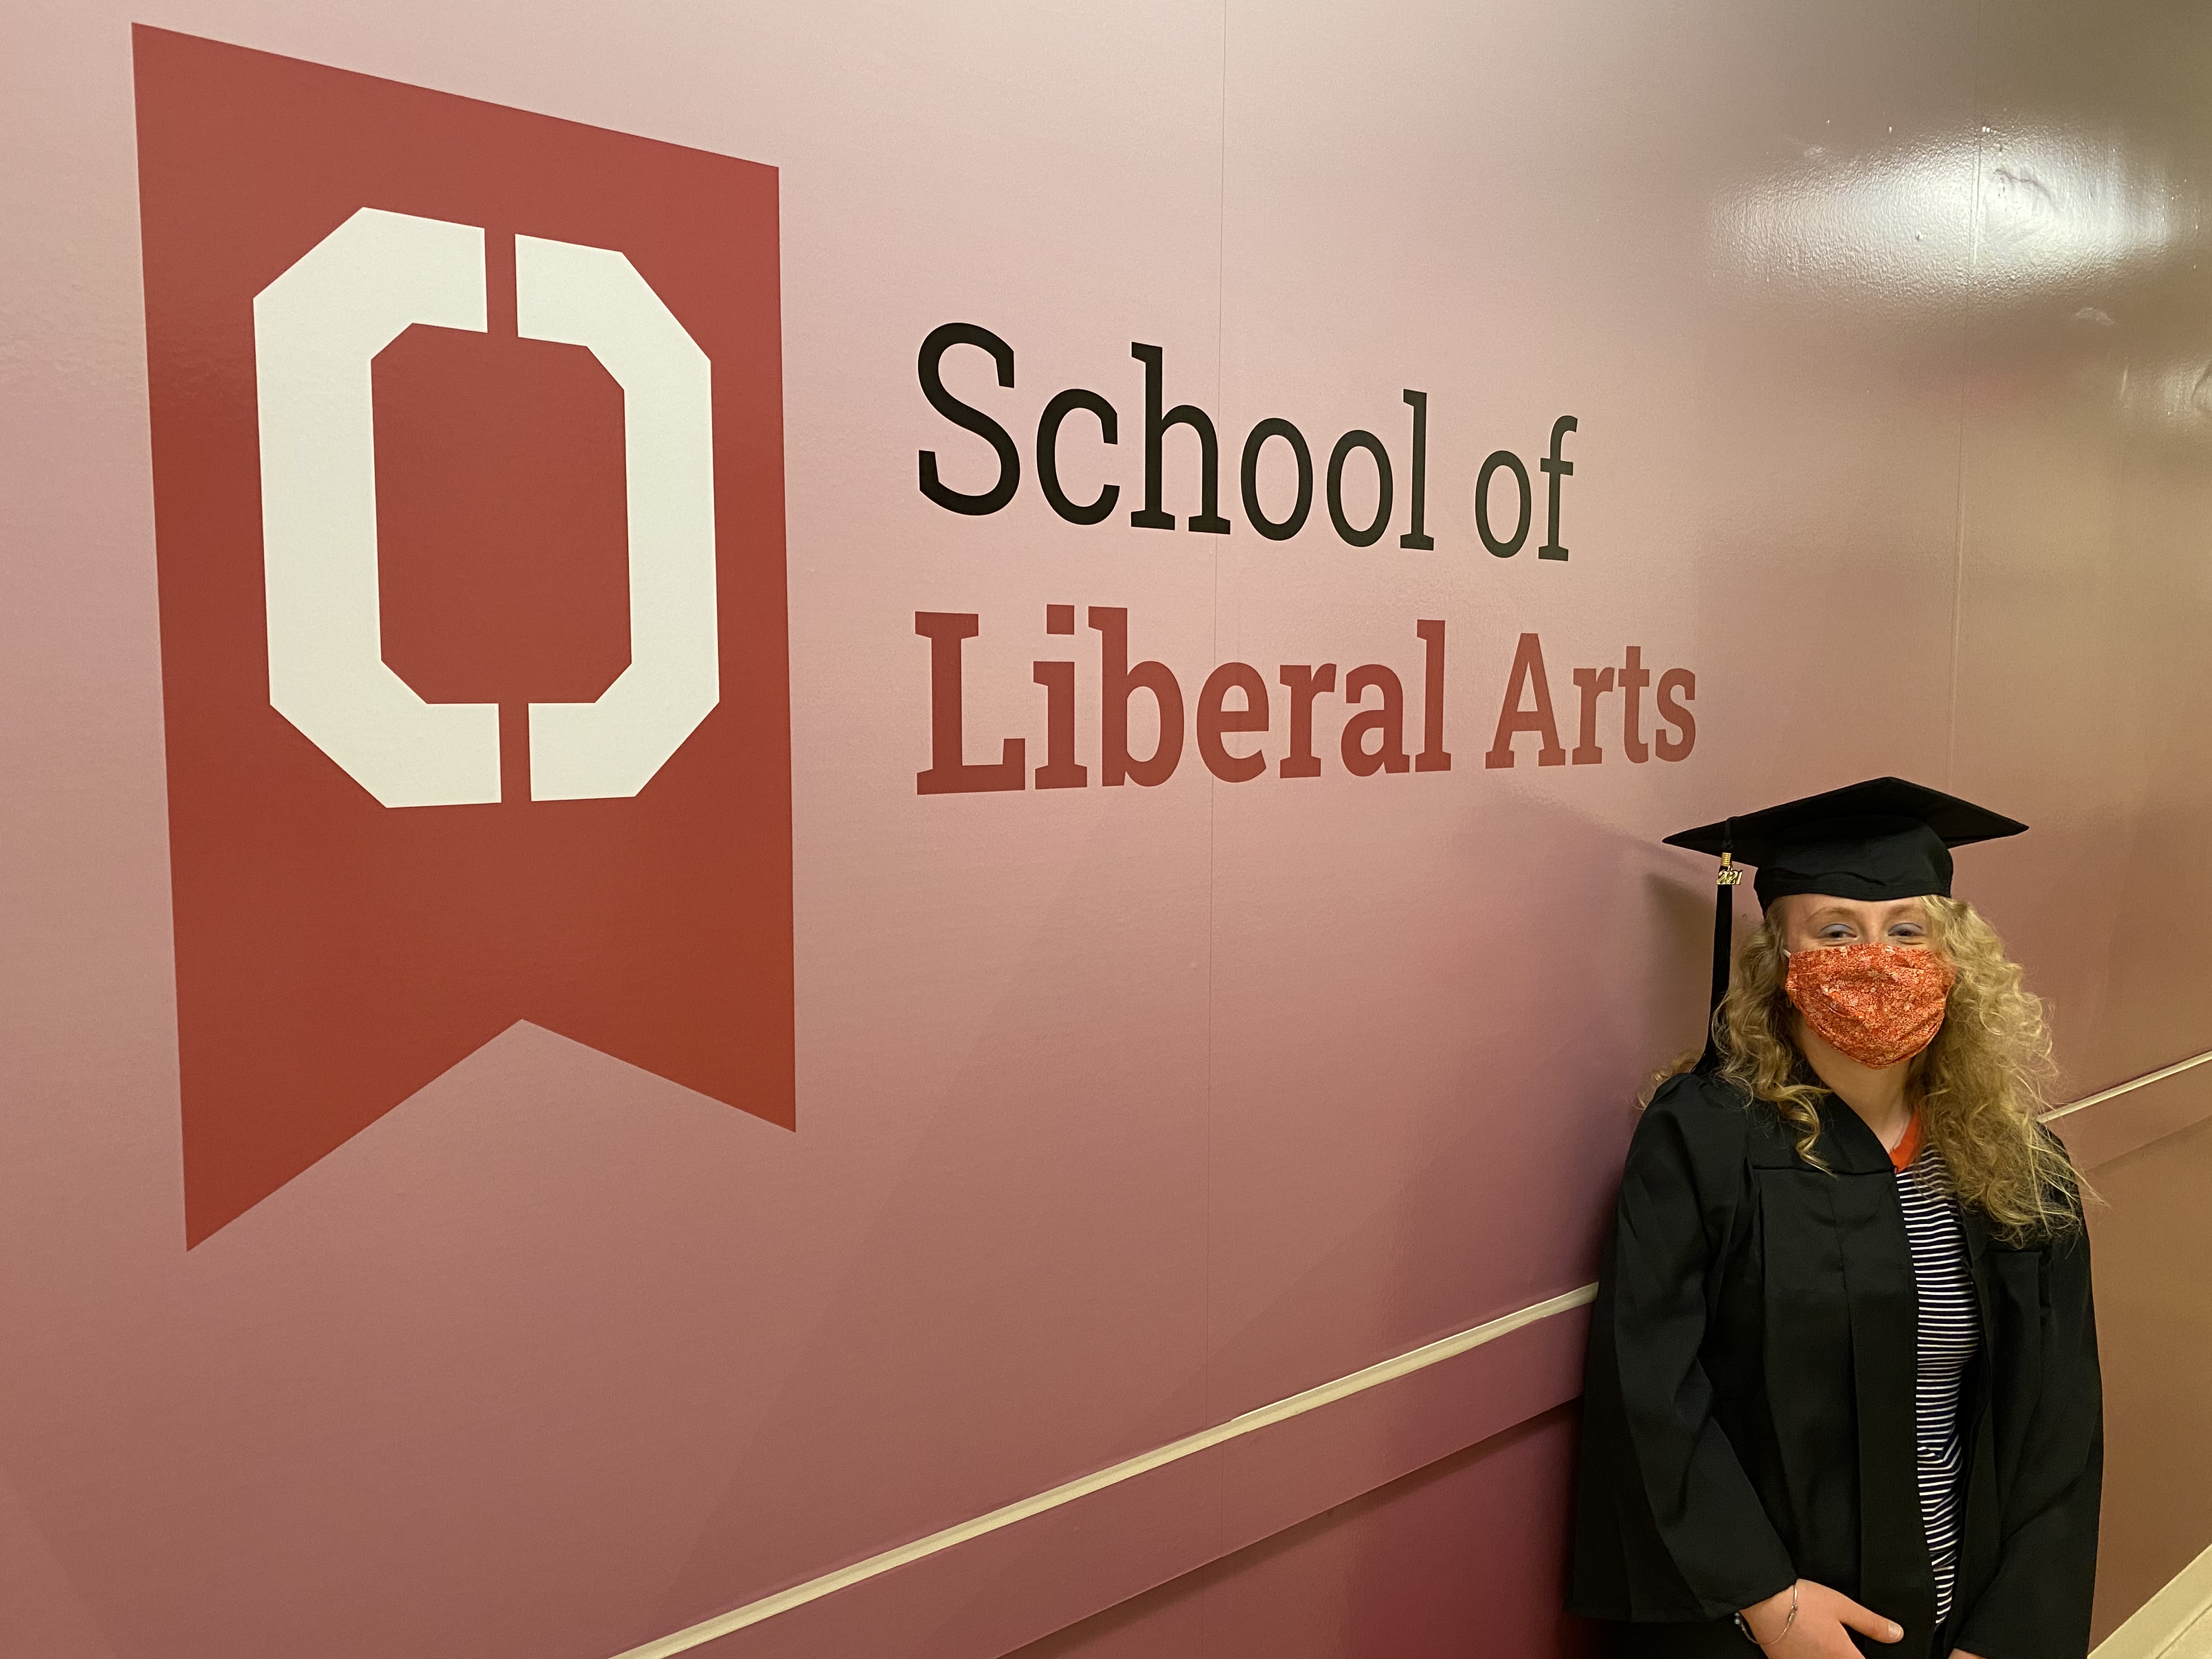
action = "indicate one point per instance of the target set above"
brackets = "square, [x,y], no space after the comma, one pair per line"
[1390,1572]
[1118,1111]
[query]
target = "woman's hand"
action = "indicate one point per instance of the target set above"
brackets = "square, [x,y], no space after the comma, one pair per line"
[1821,1629]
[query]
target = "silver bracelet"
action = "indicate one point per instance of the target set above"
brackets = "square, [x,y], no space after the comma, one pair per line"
[1744,1624]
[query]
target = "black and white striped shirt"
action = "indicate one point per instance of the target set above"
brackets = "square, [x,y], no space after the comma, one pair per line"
[1950,1330]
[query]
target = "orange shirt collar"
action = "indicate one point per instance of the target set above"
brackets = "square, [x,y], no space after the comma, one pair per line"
[1908,1147]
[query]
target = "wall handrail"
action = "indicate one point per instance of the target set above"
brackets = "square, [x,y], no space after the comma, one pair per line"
[2103,1095]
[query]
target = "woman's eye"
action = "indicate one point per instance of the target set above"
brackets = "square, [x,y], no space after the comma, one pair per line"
[1834,933]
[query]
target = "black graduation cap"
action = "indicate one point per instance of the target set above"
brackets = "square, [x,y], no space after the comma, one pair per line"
[1883,839]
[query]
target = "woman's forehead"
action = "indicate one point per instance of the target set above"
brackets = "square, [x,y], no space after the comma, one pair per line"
[1807,907]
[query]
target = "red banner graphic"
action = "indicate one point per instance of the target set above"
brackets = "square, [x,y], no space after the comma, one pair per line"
[467,455]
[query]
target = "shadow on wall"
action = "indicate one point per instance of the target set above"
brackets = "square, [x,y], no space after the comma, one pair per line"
[1468,1555]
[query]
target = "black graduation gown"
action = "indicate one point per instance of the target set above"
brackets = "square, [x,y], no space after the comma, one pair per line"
[1747,1407]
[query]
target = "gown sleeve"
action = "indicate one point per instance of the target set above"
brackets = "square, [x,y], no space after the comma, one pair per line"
[2037,1606]
[1667,1527]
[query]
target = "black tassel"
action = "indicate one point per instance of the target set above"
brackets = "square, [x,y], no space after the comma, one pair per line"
[1723,941]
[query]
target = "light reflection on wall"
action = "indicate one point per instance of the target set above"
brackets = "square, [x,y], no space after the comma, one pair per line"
[2175,397]
[2066,250]
[2027,215]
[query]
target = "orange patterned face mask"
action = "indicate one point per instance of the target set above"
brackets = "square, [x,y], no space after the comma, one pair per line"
[1878,1004]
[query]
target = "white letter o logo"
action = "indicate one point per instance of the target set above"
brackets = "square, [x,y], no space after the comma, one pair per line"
[316,329]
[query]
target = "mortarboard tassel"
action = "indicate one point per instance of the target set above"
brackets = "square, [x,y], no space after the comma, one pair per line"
[1723,939]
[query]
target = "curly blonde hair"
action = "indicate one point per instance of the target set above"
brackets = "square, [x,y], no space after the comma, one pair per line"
[1979,1084]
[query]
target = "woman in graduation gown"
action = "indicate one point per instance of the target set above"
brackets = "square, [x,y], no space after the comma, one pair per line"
[1842,1392]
